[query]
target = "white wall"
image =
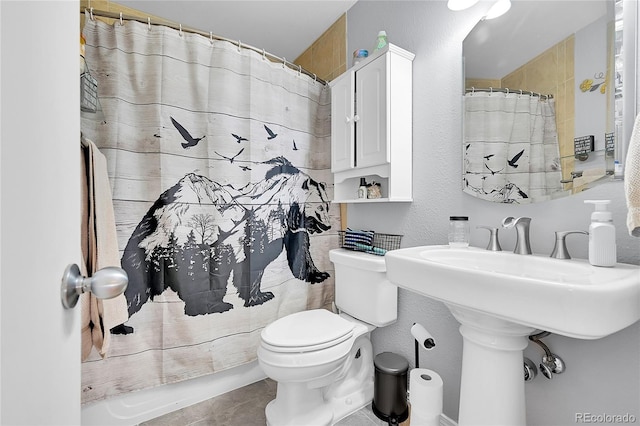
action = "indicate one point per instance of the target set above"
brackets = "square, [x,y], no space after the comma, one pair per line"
[602,376]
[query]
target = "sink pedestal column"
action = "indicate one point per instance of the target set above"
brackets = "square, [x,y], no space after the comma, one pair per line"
[492,384]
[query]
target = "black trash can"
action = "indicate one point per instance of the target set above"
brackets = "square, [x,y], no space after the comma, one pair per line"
[390,388]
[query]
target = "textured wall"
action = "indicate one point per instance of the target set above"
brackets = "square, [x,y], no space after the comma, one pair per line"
[602,376]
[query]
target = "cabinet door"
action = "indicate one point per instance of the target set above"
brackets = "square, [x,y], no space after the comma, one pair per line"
[342,131]
[372,113]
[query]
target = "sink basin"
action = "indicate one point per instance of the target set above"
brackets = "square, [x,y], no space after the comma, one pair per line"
[500,298]
[567,297]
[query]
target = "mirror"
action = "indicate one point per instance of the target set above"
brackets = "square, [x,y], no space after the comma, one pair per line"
[543,100]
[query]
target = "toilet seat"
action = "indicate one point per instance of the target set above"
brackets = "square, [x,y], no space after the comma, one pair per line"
[307,331]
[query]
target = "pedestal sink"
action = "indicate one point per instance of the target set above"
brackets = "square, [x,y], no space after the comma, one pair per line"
[500,298]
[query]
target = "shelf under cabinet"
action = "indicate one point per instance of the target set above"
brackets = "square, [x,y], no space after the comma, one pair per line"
[371,200]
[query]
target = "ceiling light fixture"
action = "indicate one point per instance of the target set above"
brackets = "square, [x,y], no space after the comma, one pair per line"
[499,8]
[460,4]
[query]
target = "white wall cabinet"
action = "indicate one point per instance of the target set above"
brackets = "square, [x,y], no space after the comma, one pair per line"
[371,127]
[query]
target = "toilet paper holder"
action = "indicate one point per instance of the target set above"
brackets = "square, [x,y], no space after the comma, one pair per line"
[425,390]
[421,338]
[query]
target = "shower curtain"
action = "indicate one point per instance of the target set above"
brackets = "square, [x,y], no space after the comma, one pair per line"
[219,166]
[511,152]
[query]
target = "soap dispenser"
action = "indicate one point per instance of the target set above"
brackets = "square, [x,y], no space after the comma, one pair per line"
[602,235]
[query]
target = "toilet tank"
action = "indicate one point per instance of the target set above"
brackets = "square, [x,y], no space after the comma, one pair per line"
[362,289]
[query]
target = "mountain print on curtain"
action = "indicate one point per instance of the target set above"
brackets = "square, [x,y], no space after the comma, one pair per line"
[219,162]
[199,233]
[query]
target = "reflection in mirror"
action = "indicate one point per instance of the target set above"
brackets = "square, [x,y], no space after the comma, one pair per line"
[541,94]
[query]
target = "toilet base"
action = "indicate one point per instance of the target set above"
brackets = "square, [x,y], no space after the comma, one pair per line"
[316,409]
[297,404]
[349,404]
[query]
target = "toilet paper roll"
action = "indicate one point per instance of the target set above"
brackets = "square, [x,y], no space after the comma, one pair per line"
[423,337]
[425,396]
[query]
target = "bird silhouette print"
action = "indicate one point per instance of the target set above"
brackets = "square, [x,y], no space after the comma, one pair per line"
[190,140]
[515,159]
[493,172]
[270,133]
[245,168]
[295,148]
[239,138]
[230,158]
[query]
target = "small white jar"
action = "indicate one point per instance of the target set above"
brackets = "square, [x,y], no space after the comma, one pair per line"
[459,231]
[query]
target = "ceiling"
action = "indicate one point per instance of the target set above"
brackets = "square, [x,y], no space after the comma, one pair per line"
[283,28]
[497,47]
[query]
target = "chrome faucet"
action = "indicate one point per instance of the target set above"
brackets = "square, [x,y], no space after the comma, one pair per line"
[521,224]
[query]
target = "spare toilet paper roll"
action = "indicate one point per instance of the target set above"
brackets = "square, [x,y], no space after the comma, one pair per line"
[425,396]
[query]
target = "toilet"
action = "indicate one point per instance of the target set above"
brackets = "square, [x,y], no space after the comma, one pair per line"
[322,361]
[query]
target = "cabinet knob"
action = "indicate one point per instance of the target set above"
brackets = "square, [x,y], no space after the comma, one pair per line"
[356,118]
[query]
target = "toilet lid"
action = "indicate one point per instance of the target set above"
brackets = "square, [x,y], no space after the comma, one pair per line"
[307,330]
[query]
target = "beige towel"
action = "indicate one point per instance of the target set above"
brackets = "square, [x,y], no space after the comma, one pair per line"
[99,249]
[632,180]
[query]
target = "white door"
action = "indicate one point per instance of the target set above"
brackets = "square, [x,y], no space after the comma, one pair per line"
[40,211]
[372,109]
[342,122]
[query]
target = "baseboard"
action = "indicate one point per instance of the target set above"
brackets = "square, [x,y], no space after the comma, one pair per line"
[446,421]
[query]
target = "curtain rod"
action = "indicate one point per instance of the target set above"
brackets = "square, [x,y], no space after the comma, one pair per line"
[506,90]
[105,14]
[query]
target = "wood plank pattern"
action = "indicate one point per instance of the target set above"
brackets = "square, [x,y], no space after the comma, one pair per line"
[198,130]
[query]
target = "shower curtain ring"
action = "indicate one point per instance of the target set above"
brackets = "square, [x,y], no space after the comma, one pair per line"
[284,63]
[91,14]
[239,46]
[121,22]
[149,23]
[211,37]
[507,89]
[180,31]
[264,55]
[299,70]
[315,78]
[490,91]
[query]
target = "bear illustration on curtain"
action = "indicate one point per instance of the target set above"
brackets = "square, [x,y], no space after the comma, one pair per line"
[199,232]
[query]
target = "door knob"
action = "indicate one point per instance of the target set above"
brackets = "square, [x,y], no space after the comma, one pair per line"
[107,283]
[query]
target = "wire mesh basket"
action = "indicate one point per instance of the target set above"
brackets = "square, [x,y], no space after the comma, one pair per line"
[380,244]
[88,92]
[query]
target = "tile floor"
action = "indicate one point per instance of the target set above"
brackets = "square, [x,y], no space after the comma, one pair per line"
[245,407]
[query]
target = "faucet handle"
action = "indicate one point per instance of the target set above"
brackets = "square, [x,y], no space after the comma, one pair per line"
[494,244]
[560,247]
